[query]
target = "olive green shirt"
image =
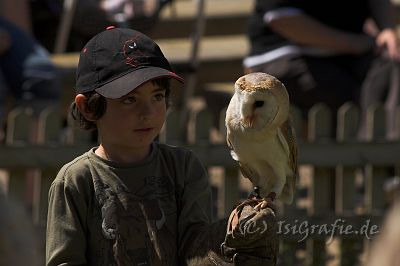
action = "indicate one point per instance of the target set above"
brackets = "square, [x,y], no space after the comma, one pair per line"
[147,213]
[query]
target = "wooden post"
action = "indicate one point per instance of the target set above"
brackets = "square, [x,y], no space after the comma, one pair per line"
[203,122]
[49,129]
[322,188]
[375,175]
[18,134]
[347,129]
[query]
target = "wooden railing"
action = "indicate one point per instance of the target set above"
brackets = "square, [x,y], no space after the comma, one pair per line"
[341,178]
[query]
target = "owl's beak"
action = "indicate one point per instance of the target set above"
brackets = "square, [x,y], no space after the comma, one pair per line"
[248,121]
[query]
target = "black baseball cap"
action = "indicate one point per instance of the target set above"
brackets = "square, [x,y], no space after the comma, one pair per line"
[118,60]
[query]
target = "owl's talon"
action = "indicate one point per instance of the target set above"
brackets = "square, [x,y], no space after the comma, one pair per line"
[264,205]
[266,202]
[261,205]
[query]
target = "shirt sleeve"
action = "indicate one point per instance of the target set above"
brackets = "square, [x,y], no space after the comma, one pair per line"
[198,237]
[66,226]
[194,203]
[195,212]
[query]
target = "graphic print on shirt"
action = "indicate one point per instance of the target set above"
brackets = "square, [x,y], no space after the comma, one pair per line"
[135,222]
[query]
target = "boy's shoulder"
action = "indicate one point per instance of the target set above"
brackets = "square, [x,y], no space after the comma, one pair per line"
[76,169]
[180,156]
[175,151]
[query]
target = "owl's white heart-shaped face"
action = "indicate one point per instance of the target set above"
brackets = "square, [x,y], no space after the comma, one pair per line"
[257,108]
[260,103]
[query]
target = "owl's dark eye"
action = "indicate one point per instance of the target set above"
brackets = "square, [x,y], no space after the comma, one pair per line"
[258,104]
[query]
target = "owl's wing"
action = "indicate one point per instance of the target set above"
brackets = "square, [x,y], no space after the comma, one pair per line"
[229,140]
[247,172]
[287,136]
[244,169]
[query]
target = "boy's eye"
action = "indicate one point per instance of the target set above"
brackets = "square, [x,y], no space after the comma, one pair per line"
[129,100]
[159,97]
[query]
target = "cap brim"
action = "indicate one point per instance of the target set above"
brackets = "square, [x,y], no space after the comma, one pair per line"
[123,85]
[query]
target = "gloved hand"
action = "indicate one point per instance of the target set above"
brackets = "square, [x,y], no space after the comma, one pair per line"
[251,238]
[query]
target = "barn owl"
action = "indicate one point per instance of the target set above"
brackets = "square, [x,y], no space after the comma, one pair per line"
[260,135]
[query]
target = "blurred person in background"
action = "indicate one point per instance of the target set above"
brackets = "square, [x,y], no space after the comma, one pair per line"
[26,72]
[92,16]
[326,51]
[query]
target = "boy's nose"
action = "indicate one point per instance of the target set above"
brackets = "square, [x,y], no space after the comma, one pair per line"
[146,110]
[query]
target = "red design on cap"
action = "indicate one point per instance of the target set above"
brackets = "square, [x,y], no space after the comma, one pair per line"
[132,52]
[110,27]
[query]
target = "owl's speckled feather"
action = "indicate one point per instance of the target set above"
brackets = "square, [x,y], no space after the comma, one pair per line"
[260,135]
[256,82]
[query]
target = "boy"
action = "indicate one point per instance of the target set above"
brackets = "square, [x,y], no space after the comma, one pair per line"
[129,201]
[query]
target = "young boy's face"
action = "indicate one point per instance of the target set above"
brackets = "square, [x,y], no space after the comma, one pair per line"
[134,120]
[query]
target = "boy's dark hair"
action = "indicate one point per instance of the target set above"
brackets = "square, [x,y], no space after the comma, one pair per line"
[97,105]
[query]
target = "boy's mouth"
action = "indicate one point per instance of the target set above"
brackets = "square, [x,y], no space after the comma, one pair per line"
[147,129]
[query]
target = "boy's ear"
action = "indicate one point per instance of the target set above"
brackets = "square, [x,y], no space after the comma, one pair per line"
[81,103]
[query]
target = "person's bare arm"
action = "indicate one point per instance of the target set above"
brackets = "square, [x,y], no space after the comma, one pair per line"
[305,30]
[387,40]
